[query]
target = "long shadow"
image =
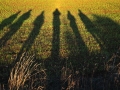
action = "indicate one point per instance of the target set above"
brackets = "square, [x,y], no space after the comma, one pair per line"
[91,28]
[53,64]
[56,35]
[14,27]
[74,56]
[72,47]
[83,51]
[8,20]
[104,33]
[38,22]
[110,34]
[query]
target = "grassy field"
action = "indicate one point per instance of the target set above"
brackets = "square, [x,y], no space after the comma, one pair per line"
[81,31]
[66,36]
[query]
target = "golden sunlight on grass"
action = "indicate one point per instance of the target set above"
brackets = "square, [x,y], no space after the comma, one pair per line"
[59,43]
[72,26]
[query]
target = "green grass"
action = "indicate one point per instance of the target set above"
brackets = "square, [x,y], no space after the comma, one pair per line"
[81,31]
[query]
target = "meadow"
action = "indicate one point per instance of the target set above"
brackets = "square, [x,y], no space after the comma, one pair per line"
[83,34]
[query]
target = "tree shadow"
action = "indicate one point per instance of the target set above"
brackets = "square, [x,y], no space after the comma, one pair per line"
[56,35]
[8,20]
[38,22]
[14,27]
[82,48]
[110,33]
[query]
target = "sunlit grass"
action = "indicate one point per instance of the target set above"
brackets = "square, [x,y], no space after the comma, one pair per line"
[42,44]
